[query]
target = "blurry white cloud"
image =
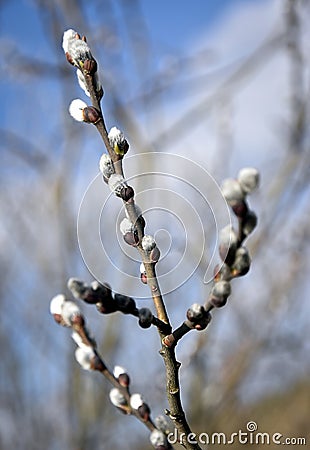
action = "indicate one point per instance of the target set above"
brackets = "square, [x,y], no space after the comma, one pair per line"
[258,106]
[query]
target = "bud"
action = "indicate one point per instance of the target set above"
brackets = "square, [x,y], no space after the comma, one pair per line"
[158,438]
[137,403]
[126,226]
[155,255]
[248,179]
[162,424]
[122,376]
[232,191]
[93,293]
[90,66]
[106,306]
[198,317]
[83,113]
[202,323]
[148,243]
[76,49]
[131,238]
[145,317]
[127,193]
[118,399]
[117,183]
[219,293]
[85,357]
[249,223]
[71,313]
[125,304]
[240,208]
[195,313]
[101,295]
[222,272]
[101,290]
[129,232]
[118,141]
[106,167]
[91,115]
[242,262]
[79,289]
[228,242]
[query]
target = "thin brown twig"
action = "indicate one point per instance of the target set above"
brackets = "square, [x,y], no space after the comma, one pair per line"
[100,366]
[176,412]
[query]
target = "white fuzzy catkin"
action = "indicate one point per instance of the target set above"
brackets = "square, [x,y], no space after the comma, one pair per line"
[57,303]
[126,226]
[106,166]
[76,109]
[69,310]
[77,48]
[248,178]
[117,398]
[117,183]
[116,136]
[228,237]
[84,356]
[136,401]
[82,83]
[158,438]
[148,243]
[232,191]
[68,37]
[118,370]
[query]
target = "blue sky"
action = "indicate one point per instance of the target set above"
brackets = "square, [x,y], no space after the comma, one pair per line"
[171,23]
[173,27]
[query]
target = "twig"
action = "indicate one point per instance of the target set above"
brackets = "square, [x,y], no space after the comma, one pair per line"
[176,412]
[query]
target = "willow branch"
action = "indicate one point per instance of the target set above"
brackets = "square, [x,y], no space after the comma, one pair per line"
[176,412]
